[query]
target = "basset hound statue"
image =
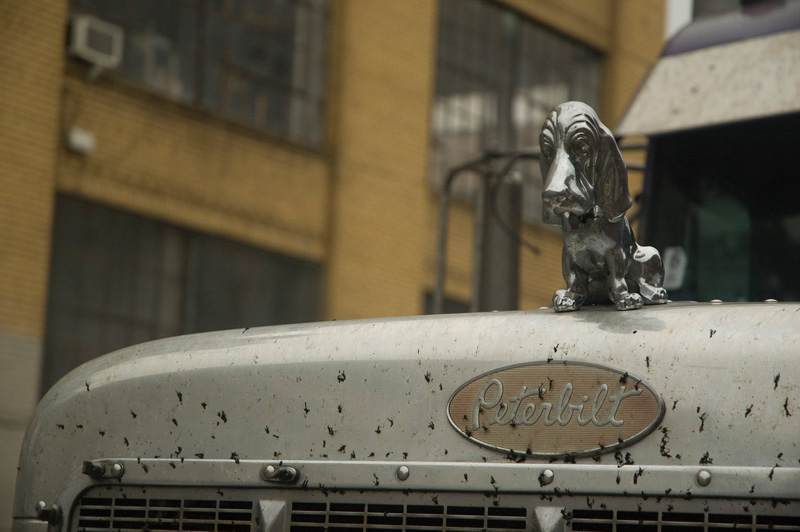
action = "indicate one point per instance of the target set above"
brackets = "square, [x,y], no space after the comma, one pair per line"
[586,192]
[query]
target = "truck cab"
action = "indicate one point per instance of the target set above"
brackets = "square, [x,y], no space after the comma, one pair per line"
[721,113]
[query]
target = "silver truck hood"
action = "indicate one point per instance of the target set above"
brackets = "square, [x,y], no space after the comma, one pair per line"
[373,392]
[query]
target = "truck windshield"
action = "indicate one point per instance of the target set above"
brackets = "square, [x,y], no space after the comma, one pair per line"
[724,209]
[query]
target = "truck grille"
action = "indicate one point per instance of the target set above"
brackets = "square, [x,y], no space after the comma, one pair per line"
[348,517]
[95,514]
[203,509]
[621,521]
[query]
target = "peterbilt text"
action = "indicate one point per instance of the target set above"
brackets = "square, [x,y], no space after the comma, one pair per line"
[499,412]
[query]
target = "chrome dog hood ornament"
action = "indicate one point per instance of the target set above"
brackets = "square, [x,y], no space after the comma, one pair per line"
[586,192]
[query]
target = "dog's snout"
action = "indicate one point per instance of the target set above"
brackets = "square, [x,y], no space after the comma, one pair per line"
[553,204]
[554,195]
[556,200]
[563,189]
[557,188]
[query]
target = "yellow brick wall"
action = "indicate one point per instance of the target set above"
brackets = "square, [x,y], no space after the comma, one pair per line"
[589,21]
[176,164]
[165,161]
[637,39]
[31,56]
[380,221]
[31,65]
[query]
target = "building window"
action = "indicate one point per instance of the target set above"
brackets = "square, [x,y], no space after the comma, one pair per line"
[118,280]
[259,62]
[498,75]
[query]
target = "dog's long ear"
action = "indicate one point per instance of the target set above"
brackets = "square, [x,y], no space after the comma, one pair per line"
[545,159]
[611,179]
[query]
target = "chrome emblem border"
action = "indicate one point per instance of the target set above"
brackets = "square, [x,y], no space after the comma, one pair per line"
[532,414]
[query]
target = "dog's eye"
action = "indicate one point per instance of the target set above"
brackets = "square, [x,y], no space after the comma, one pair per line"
[581,148]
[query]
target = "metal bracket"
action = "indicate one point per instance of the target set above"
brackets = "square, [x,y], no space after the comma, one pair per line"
[103,470]
[51,514]
[282,474]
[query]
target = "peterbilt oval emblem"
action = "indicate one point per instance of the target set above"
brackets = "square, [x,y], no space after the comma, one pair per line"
[555,409]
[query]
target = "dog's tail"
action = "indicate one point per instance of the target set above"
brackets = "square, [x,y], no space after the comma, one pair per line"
[647,271]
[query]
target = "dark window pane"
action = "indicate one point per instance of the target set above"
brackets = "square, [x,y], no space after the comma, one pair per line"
[233,286]
[245,59]
[449,306]
[498,74]
[211,87]
[726,222]
[118,279]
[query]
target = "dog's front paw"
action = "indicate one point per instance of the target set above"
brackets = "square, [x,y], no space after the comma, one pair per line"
[565,301]
[659,297]
[629,301]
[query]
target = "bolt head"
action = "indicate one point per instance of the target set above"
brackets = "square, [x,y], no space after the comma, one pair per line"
[703,478]
[403,473]
[117,470]
[546,477]
[268,473]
